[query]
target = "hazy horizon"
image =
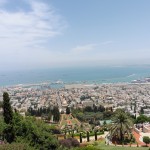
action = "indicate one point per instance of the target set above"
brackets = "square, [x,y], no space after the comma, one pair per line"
[52,33]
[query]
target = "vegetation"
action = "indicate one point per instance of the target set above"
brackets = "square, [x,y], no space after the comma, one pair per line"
[142,119]
[68,110]
[39,112]
[146,140]
[56,114]
[46,113]
[92,116]
[121,127]
[16,146]
[70,142]
[1,104]
[69,120]
[8,132]
[35,133]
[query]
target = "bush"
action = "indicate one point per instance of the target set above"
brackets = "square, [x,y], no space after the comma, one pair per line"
[133,140]
[65,143]
[146,140]
[55,131]
[16,146]
[70,142]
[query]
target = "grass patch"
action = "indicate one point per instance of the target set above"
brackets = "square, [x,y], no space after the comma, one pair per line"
[102,146]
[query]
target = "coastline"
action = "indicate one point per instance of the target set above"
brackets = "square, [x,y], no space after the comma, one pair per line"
[70,85]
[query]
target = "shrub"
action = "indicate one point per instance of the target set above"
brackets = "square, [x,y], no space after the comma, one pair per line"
[146,140]
[74,142]
[55,131]
[70,142]
[65,143]
[16,146]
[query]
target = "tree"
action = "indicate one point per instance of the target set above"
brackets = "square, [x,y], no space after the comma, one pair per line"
[146,140]
[8,118]
[7,110]
[88,109]
[1,104]
[2,127]
[34,132]
[101,108]
[95,108]
[68,110]
[142,119]
[56,114]
[122,125]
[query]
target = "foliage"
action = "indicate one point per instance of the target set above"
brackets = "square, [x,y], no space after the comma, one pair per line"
[122,125]
[91,116]
[83,97]
[94,109]
[142,119]
[39,112]
[107,114]
[68,110]
[56,114]
[70,142]
[88,109]
[146,140]
[8,118]
[54,129]
[1,104]
[16,146]
[7,110]
[45,112]
[2,126]
[35,132]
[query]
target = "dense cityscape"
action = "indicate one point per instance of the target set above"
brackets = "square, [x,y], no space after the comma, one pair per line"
[131,97]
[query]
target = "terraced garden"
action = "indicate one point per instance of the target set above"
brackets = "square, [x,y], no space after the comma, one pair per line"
[69,121]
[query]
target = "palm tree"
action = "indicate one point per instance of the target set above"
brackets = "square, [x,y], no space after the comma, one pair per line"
[122,125]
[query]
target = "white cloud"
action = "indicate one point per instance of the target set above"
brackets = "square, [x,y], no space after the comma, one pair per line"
[26,28]
[24,33]
[106,43]
[84,48]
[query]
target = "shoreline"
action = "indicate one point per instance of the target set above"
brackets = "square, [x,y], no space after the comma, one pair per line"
[70,85]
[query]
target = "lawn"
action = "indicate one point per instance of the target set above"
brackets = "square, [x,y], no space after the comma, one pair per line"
[102,146]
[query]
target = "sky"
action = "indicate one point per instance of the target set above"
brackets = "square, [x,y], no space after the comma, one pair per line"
[65,33]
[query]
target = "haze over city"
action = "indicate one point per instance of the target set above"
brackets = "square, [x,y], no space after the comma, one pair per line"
[53,33]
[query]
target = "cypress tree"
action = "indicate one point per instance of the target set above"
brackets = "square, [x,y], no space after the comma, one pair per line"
[68,110]
[56,114]
[88,137]
[8,118]
[95,135]
[80,137]
[7,110]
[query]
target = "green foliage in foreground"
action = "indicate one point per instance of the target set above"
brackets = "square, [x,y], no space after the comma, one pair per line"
[29,131]
[35,133]
[8,118]
[16,146]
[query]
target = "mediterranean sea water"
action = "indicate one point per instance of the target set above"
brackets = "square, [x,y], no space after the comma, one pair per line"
[75,75]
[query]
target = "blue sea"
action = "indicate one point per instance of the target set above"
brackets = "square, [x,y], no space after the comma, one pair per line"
[89,75]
